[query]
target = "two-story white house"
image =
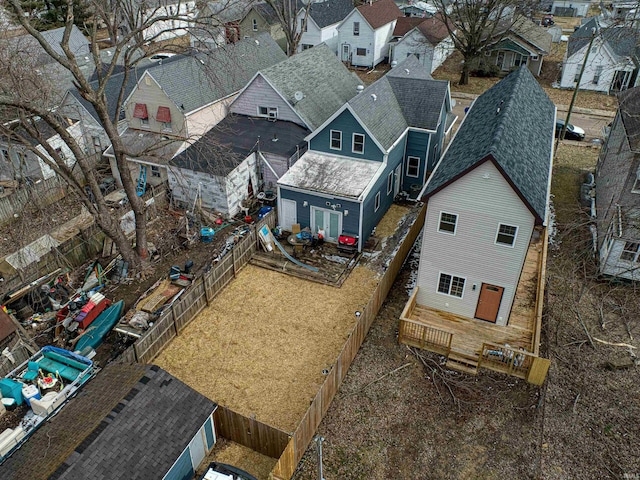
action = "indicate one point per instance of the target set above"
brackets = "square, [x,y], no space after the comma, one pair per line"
[364,34]
[322,23]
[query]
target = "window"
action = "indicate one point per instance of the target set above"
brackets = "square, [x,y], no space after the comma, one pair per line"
[255,25]
[377,202]
[577,76]
[358,143]
[271,112]
[356,29]
[336,140]
[450,285]
[448,222]
[155,171]
[506,235]
[166,126]
[596,75]
[390,182]
[361,52]
[144,122]
[630,252]
[303,25]
[306,46]
[413,167]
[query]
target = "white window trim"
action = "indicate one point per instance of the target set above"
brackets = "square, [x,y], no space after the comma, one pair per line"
[455,227]
[353,143]
[452,277]
[376,202]
[409,158]
[331,132]
[254,25]
[144,125]
[269,110]
[356,31]
[515,236]
[636,253]
[390,182]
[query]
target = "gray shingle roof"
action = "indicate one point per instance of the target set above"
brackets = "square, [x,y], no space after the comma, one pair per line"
[226,145]
[581,37]
[405,97]
[630,111]
[512,124]
[144,434]
[329,12]
[622,41]
[321,77]
[196,81]
[532,33]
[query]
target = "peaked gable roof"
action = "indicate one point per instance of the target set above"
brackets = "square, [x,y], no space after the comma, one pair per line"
[196,81]
[433,29]
[512,124]
[405,24]
[533,34]
[323,80]
[380,13]
[621,41]
[329,12]
[629,107]
[581,36]
[406,97]
[78,43]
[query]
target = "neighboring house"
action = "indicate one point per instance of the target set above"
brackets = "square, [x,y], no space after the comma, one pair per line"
[384,140]
[626,11]
[570,8]
[364,34]
[265,134]
[130,421]
[618,192]
[525,43]
[219,23]
[175,103]
[486,201]
[427,39]
[322,23]
[263,18]
[418,9]
[613,61]
[183,12]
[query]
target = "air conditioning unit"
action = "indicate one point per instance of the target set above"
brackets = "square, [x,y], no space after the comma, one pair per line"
[273,116]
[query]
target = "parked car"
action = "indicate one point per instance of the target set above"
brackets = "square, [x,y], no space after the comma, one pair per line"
[220,471]
[572,133]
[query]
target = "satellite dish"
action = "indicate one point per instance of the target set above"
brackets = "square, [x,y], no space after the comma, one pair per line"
[298,96]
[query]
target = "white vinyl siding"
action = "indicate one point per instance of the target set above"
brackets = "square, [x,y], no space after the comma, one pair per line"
[506,235]
[448,223]
[375,42]
[484,199]
[451,285]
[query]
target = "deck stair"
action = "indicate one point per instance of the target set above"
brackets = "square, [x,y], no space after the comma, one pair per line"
[463,362]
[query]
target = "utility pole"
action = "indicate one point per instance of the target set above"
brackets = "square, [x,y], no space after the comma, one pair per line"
[575,91]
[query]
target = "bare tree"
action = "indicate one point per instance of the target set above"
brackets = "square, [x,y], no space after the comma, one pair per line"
[25,96]
[473,25]
[287,13]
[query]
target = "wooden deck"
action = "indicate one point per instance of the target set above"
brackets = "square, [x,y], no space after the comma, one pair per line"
[466,341]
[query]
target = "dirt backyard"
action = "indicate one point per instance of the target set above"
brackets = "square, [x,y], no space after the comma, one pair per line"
[399,414]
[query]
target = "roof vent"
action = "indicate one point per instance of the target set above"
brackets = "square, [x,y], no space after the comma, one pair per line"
[275,137]
[499,107]
[359,88]
[394,64]
[257,42]
[298,96]
[406,70]
[374,96]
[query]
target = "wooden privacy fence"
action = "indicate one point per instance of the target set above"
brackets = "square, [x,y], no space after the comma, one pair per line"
[43,193]
[201,292]
[303,435]
[250,432]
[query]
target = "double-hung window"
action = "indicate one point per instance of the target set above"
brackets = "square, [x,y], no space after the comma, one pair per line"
[597,73]
[506,235]
[336,140]
[255,25]
[448,222]
[451,285]
[413,167]
[358,143]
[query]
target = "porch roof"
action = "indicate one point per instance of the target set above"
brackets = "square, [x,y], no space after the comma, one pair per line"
[330,174]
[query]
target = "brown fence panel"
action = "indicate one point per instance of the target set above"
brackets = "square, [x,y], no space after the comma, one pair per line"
[286,463]
[220,276]
[251,433]
[128,356]
[191,304]
[155,338]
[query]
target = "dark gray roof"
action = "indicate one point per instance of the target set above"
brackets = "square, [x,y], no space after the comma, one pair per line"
[78,43]
[328,12]
[629,107]
[321,77]
[196,81]
[406,97]
[581,37]
[144,434]
[622,41]
[227,10]
[511,124]
[225,146]
[267,12]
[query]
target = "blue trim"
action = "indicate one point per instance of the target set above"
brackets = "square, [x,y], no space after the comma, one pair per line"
[208,431]
[182,469]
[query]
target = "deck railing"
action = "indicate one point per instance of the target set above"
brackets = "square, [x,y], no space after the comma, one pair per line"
[422,336]
[506,359]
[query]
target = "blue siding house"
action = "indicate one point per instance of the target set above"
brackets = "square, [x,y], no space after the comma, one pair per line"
[385,140]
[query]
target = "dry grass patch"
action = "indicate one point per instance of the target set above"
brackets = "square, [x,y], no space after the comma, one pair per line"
[261,346]
[389,223]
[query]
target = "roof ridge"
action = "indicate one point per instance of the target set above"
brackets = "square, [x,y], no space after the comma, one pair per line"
[503,109]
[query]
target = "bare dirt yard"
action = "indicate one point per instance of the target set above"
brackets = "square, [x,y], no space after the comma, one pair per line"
[399,414]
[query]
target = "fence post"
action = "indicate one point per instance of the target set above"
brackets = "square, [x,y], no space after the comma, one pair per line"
[207,295]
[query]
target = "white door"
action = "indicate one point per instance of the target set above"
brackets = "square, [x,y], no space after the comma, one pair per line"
[196,449]
[346,49]
[398,178]
[327,220]
[288,213]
